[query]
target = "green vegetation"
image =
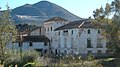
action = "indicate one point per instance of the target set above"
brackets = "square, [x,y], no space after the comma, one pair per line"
[90,57]
[7,34]
[111,26]
[29,56]
[26,27]
[76,61]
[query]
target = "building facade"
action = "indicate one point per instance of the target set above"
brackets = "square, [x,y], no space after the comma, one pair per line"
[58,35]
[39,43]
[79,37]
[50,25]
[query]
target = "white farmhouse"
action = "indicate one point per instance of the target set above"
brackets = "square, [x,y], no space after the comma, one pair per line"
[61,36]
[51,24]
[37,42]
[78,37]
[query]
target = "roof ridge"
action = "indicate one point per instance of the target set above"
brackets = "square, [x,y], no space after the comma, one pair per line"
[81,24]
[56,19]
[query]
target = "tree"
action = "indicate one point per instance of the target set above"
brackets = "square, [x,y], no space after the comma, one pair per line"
[111,26]
[7,33]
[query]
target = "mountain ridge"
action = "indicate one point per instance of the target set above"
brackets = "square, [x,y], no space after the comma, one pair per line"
[43,11]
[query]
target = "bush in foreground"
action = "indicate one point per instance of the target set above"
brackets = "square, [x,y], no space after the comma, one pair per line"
[15,58]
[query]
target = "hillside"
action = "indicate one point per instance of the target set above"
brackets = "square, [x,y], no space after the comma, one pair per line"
[39,12]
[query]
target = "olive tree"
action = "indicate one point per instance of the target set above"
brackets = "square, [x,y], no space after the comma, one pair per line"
[7,33]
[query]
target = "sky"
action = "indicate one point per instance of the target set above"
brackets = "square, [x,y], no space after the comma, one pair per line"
[81,8]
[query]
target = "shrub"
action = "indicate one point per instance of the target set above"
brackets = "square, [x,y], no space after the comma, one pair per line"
[30,56]
[90,57]
[15,58]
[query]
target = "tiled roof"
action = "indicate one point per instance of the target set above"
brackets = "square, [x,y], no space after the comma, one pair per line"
[85,23]
[56,19]
[40,38]
[88,24]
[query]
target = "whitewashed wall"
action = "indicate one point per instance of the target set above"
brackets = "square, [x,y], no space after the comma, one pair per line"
[26,46]
[54,24]
[51,33]
[78,41]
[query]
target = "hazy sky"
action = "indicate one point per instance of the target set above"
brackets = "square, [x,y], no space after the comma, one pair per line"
[81,8]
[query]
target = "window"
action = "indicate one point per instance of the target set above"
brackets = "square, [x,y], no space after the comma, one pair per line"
[89,43]
[65,45]
[59,33]
[51,39]
[89,52]
[55,51]
[98,31]
[65,51]
[59,51]
[30,44]
[72,51]
[99,43]
[51,28]
[99,51]
[72,32]
[45,51]
[65,42]
[48,29]
[20,44]
[65,32]
[88,31]
[72,43]
[45,43]
[59,44]
[40,30]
